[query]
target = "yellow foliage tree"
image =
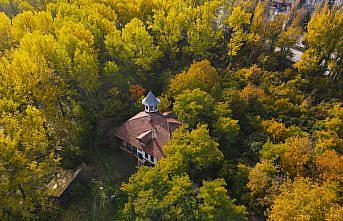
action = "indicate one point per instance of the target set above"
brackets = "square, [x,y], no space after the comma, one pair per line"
[303,200]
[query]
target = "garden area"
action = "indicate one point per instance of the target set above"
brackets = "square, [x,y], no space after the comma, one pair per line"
[98,197]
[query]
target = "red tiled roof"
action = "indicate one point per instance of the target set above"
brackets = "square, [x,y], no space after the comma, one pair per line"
[140,125]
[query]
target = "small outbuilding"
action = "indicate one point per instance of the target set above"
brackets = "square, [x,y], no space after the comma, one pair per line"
[61,182]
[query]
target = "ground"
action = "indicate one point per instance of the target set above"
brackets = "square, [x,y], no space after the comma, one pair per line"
[91,200]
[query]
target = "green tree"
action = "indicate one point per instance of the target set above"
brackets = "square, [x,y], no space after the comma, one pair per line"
[135,46]
[216,203]
[193,152]
[227,130]
[171,188]
[194,107]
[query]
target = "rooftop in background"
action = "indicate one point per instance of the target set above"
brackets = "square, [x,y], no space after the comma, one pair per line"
[296,54]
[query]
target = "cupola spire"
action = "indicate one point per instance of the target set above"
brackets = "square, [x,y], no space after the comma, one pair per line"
[150,103]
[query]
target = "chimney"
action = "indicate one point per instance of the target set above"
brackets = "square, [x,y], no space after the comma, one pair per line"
[153,134]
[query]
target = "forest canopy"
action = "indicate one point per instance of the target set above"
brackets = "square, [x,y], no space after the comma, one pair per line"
[262,137]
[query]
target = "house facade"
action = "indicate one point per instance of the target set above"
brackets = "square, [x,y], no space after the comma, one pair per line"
[145,134]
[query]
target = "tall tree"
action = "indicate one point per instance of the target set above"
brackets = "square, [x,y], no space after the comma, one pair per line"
[27,164]
[206,31]
[5,31]
[169,24]
[200,75]
[238,21]
[303,199]
[216,205]
[324,43]
[171,188]
[135,46]
[194,107]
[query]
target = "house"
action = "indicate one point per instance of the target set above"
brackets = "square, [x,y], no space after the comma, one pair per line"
[144,134]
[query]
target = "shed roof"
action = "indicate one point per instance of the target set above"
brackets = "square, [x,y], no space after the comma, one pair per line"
[61,182]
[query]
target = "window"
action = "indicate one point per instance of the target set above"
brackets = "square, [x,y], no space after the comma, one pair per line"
[151,108]
[140,155]
[152,159]
[146,155]
[130,148]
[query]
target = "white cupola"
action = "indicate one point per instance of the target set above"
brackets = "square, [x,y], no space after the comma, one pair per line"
[150,103]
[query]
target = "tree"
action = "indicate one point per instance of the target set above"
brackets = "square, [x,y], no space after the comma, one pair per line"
[329,132]
[277,131]
[260,181]
[334,214]
[6,7]
[324,50]
[216,203]
[78,41]
[27,164]
[205,32]
[236,102]
[254,97]
[194,107]
[129,9]
[303,200]
[28,22]
[194,152]
[200,75]
[227,130]
[287,40]
[169,24]
[21,24]
[135,46]
[158,196]
[329,166]
[252,75]
[237,21]
[171,188]
[5,32]
[298,156]
[272,152]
